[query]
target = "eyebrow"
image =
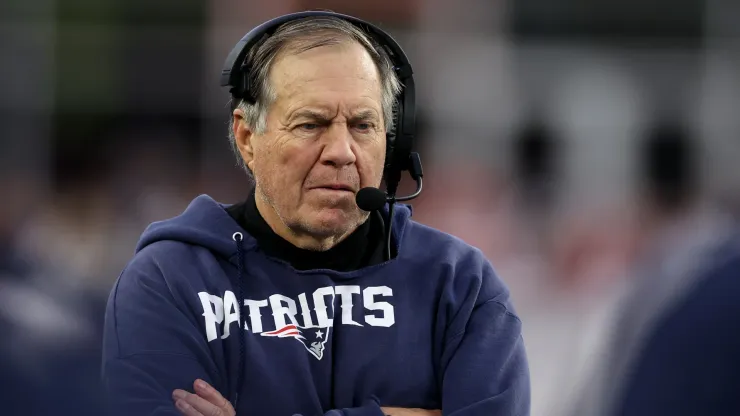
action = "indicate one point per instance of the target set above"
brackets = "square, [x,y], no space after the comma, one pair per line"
[310,114]
[363,115]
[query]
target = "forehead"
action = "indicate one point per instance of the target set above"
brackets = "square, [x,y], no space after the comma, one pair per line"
[328,75]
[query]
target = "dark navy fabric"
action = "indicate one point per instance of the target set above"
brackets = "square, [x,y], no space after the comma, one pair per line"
[433,328]
[690,364]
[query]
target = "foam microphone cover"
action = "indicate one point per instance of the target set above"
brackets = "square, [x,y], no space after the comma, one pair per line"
[370,199]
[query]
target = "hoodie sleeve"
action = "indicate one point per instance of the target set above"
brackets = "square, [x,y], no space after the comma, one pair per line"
[151,346]
[485,365]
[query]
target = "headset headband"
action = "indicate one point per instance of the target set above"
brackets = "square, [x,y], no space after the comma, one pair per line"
[235,74]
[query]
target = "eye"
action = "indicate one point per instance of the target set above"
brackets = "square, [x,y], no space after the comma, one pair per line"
[363,126]
[308,126]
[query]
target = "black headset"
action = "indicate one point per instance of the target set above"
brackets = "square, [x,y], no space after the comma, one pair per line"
[399,158]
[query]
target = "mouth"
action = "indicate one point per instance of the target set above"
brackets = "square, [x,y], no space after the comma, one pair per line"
[336,187]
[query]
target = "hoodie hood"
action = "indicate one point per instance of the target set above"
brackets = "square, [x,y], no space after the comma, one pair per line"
[206,223]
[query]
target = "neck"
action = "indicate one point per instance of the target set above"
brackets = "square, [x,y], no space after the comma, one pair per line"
[300,238]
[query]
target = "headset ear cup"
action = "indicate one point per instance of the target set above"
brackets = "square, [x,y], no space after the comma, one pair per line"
[389,146]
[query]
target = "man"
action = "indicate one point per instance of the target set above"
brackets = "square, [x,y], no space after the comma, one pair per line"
[673,346]
[284,304]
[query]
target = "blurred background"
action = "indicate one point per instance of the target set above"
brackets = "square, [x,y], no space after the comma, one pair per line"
[561,137]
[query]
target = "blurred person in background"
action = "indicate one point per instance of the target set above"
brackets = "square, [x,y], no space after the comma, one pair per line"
[564,263]
[50,348]
[286,303]
[674,347]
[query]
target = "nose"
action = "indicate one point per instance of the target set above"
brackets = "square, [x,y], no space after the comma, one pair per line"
[337,150]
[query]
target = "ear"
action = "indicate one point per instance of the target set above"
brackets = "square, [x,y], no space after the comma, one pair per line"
[244,137]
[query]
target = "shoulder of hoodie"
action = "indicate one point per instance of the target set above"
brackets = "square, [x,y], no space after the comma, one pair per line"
[464,263]
[438,246]
[158,259]
[152,271]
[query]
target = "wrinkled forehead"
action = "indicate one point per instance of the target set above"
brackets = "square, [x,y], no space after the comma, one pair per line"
[328,77]
[346,62]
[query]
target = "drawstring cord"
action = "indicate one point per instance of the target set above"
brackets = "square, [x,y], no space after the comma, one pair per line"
[238,238]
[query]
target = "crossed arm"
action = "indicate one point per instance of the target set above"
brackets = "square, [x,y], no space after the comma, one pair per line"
[207,401]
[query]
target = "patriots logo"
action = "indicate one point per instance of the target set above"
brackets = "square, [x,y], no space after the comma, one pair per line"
[313,339]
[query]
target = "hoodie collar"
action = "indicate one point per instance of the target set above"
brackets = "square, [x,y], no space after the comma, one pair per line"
[354,252]
[206,223]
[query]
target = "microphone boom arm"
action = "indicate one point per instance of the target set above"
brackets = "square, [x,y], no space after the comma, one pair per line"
[412,196]
[417,172]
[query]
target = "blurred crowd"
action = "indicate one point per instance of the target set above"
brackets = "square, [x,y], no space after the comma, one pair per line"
[576,156]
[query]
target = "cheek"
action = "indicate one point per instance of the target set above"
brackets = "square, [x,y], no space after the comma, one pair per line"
[284,166]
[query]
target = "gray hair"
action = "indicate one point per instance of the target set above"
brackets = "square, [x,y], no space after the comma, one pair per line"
[300,36]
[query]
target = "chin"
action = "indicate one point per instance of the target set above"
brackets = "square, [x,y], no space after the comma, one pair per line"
[332,221]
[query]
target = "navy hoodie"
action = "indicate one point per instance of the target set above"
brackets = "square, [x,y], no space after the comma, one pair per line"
[432,328]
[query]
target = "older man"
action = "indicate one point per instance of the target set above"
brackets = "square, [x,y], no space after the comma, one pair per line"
[284,304]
